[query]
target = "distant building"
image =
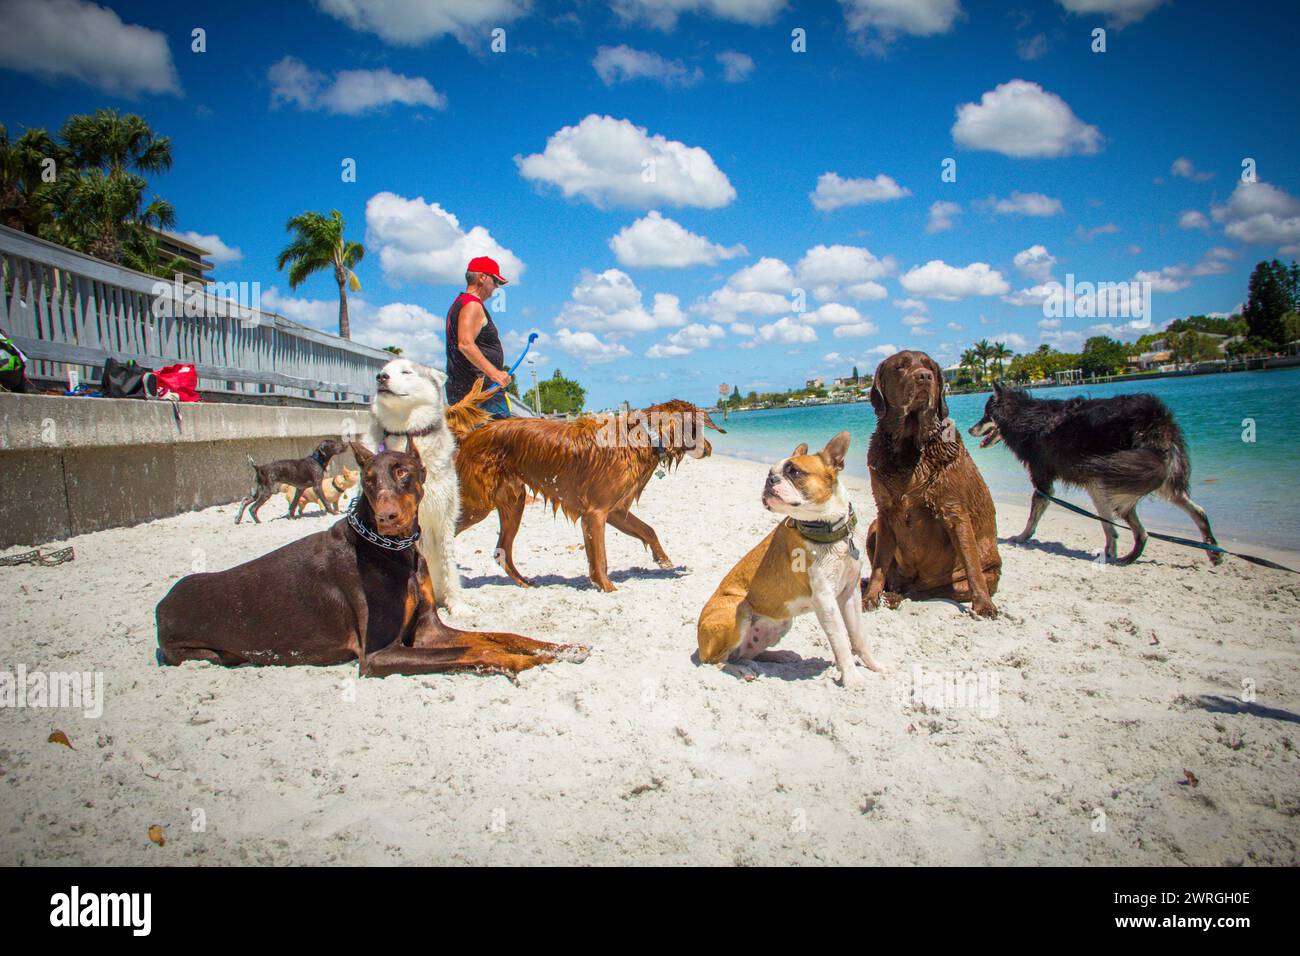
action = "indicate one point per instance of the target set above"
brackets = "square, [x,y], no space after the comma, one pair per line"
[193,265]
[951,373]
[817,382]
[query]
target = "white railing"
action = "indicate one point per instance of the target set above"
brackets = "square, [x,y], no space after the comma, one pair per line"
[67,310]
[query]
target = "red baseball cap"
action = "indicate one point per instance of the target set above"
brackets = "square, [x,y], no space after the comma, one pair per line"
[487,266]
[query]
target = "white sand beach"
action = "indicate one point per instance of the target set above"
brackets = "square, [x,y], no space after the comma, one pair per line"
[1111,685]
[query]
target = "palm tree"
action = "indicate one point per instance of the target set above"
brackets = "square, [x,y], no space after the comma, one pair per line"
[983,352]
[999,354]
[318,243]
[970,361]
[26,198]
[100,195]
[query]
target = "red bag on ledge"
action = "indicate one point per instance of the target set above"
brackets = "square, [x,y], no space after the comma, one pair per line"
[179,380]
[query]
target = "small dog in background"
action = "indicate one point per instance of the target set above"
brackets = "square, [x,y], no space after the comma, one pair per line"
[335,488]
[808,562]
[1118,449]
[299,473]
[409,408]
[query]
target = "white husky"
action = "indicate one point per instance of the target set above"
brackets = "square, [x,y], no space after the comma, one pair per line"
[409,406]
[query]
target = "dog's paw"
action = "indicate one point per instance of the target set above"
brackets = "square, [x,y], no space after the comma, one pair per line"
[458,608]
[893,599]
[986,609]
[852,680]
[571,653]
[666,564]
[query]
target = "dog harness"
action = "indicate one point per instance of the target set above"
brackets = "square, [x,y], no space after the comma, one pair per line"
[374,537]
[826,532]
[317,457]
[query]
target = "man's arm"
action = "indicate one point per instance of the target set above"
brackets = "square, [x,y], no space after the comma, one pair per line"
[469,323]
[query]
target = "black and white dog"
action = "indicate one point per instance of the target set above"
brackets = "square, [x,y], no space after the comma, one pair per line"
[1118,449]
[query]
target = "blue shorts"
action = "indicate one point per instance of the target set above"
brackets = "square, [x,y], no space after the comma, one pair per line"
[497,406]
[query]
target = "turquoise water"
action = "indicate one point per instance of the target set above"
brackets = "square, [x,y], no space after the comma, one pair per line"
[1250,489]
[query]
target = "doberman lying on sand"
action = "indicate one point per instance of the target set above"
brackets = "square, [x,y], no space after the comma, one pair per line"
[357,590]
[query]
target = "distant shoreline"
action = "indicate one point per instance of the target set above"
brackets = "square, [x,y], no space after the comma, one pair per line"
[1249,365]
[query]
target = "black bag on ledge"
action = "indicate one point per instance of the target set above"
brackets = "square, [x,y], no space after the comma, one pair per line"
[127,380]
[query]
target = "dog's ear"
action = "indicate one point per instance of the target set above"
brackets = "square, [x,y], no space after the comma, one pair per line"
[438,376]
[878,399]
[941,401]
[999,388]
[836,450]
[801,450]
[361,453]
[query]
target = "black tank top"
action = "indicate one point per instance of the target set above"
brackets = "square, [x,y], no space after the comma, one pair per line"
[461,372]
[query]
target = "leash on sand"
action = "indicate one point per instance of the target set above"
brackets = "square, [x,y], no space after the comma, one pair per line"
[1263,562]
[532,337]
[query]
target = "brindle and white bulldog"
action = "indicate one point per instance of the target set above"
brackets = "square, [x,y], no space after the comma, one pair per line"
[809,562]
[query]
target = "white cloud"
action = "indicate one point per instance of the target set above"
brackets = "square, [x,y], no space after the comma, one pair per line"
[834,313]
[1104,230]
[351,92]
[55,39]
[662,14]
[941,216]
[422,242]
[1119,13]
[220,253]
[1032,48]
[657,241]
[1022,120]
[855,330]
[1035,295]
[622,64]
[413,22]
[763,288]
[586,347]
[785,331]
[1013,339]
[887,19]
[1260,214]
[832,192]
[1035,263]
[410,327]
[834,270]
[938,280]
[609,301]
[686,340]
[608,161]
[915,321]
[1193,219]
[911,305]
[1184,167]
[736,66]
[1021,204]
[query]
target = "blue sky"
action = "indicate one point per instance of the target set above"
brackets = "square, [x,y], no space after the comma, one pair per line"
[773,170]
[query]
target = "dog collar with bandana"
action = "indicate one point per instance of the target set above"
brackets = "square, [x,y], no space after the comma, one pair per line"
[826,532]
[374,537]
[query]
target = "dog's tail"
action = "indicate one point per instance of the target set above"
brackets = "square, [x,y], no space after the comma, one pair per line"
[466,415]
[1179,476]
[1131,473]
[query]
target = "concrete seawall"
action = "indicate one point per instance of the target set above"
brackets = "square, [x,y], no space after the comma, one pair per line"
[70,466]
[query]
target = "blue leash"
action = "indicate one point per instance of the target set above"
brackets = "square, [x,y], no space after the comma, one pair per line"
[1263,562]
[532,337]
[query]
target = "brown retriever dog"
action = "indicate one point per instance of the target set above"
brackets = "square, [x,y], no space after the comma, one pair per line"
[935,533]
[593,469]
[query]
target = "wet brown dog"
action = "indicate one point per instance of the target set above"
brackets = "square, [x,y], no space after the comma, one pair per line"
[359,590]
[593,469]
[935,533]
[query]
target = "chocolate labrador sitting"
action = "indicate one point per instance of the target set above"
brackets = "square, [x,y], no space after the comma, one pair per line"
[359,590]
[935,534]
[301,473]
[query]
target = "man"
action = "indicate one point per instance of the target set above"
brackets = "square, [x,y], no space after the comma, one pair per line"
[473,345]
